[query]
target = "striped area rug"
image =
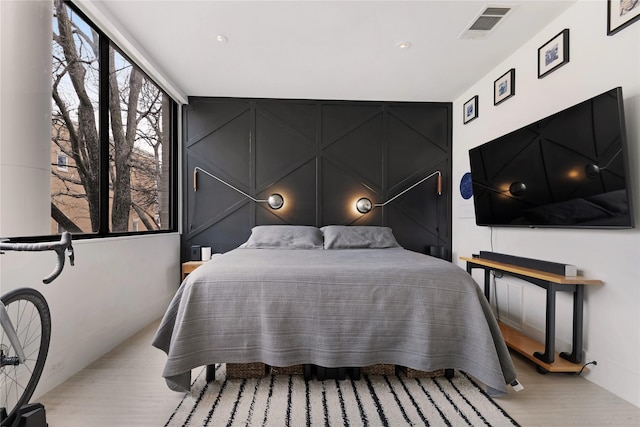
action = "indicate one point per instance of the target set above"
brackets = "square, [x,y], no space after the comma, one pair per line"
[285,400]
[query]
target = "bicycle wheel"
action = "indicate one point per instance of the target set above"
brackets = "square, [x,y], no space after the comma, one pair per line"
[31,319]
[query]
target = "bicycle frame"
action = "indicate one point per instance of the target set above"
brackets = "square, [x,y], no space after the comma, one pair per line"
[8,328]
[59,248]
[25,322]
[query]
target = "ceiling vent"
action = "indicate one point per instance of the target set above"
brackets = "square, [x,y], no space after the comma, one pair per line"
[485,22]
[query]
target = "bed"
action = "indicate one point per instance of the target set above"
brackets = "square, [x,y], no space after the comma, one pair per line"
[338,296]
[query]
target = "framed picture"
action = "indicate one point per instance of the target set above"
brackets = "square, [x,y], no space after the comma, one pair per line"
[621,14]
[505,87]
[553,54]
[470,110]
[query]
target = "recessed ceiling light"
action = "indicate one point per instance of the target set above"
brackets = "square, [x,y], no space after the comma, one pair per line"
[221,38]
[403,45]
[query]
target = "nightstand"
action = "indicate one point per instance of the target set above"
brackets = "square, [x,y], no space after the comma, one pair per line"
[189,266]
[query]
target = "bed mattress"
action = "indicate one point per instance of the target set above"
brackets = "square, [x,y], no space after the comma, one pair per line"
[332,308]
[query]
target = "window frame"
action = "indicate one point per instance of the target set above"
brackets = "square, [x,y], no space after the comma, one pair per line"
[59,165]
[103,125]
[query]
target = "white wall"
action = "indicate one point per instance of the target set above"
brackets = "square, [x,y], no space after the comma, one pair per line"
[612,312]
[119,285]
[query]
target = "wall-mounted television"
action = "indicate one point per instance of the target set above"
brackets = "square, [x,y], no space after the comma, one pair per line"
[568,170]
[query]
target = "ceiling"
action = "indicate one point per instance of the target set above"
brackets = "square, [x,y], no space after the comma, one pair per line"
[345,50]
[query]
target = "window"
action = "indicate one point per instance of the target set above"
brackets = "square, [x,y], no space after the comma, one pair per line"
[62,162]
[113,130]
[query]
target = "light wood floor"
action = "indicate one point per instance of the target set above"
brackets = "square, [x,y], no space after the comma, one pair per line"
[125,389]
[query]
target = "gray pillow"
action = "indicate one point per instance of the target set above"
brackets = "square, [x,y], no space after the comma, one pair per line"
[358,237]
[284,237]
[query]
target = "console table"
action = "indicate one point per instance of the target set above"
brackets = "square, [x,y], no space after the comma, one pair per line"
[552,283]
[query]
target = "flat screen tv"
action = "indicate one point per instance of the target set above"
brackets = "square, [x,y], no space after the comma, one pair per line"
[568,170]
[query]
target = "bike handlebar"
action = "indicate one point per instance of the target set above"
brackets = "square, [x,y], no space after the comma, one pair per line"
[59,247]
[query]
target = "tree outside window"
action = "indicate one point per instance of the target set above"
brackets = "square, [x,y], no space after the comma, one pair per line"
[138,170]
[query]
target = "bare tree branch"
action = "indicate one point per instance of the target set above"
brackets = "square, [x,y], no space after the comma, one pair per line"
[64,220]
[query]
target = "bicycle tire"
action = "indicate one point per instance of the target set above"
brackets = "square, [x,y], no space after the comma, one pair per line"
[31,318]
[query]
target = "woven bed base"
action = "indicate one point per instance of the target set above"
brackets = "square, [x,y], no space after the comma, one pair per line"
[414,373]
[287,370]
[379,369]
[246,370]
[259,370]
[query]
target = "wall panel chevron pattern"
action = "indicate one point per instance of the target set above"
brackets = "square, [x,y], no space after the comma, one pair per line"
[321,156]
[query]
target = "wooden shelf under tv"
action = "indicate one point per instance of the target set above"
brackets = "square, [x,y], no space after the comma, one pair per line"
[526,346]
[543,355]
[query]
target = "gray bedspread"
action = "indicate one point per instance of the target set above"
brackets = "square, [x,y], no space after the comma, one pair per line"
[332,308]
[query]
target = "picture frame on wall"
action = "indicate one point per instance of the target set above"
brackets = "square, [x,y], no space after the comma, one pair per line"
[621,14]
[470,110]
[504,87]
[553,54]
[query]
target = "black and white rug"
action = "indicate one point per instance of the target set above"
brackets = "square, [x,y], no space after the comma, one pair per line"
[285,400]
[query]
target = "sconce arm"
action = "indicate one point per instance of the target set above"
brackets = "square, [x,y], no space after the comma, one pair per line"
[195,184]
[415,185]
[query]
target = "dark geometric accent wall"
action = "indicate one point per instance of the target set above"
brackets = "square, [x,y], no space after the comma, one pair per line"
[321,156]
